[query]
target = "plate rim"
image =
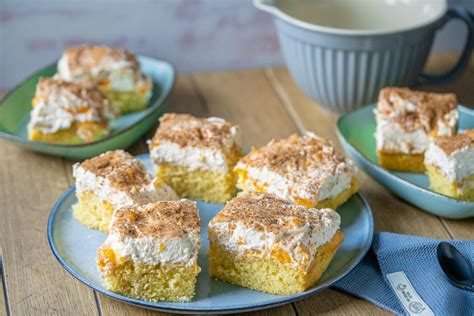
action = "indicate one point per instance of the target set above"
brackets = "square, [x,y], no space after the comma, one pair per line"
[384,171]
[145,113]
[238,308]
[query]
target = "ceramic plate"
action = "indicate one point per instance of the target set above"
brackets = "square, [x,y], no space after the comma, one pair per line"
[356,133]
[75,245]
[15,114]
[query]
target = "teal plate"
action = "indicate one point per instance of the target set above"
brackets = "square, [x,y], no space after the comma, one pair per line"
[16,106]
[356,133]
[75,246]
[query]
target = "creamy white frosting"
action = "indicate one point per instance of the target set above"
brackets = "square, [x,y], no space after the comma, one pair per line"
[191,157]
[88,181]
[153,250]
[50,117]
[456,167]
[391,137]
[238,238]
[118,72]
[196,157]
[58,112]
[287,189]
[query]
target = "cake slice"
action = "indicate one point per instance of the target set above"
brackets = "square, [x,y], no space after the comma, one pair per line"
[449,163]
[111,181]
[304,169]
[152,250]
[196,156]
[68,113]
[115,71]
[407,121]
[267,244]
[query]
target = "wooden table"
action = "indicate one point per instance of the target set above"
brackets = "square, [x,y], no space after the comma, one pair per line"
[266,104]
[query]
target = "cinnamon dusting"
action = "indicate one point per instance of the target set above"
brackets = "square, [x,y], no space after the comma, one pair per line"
[160,219]
[414,110]
[457,142]
[265,212]
[190,131]
[122,170]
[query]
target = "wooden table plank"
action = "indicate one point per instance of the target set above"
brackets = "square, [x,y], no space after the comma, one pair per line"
[3,302]
[247,99]
[35,281]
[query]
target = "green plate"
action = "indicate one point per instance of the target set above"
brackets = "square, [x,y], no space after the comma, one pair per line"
[356,133]
[16,106]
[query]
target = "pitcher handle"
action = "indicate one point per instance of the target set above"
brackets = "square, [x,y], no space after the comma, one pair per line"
[465,16]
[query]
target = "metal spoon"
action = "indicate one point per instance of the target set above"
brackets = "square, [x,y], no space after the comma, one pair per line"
[456,267]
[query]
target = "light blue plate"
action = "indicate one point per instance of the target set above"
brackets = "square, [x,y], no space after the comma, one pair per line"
[356,133]
[15,110]
[75,246]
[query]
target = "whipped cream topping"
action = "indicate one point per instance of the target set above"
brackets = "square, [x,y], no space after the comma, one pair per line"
[57,105]
[289,188]
[392,138]
[191,157]
[456,166]
[98,65]
[408,120]
[297,236]
[154,190]
[161,232]
[194,142]
[153,250]
[305,167]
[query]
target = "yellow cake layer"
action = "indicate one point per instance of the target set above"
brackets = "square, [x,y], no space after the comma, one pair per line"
[127,101]
[267,275]
[441,184]
[401,162]
[160,282]
[78,133]
[207,185]
[341,198]
[248,184]
[93,212]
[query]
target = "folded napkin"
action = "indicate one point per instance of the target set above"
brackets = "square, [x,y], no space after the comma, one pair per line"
[401,274]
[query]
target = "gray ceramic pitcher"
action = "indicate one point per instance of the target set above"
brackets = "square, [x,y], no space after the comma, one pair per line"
[341,53]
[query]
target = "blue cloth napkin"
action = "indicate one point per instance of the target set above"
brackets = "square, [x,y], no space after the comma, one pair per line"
[381,277]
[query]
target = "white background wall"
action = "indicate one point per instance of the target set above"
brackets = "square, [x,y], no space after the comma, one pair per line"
[205,35]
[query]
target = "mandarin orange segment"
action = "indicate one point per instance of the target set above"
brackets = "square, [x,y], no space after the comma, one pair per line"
[281,255]
[35,101]
[304,202]
[106,256]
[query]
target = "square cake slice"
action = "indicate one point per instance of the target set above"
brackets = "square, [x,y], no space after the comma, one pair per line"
[407,121]
[267,244]
[110,181]
[196,156]
[304,169]
[69,113]
[152,250]
[449,163]
[115,71]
